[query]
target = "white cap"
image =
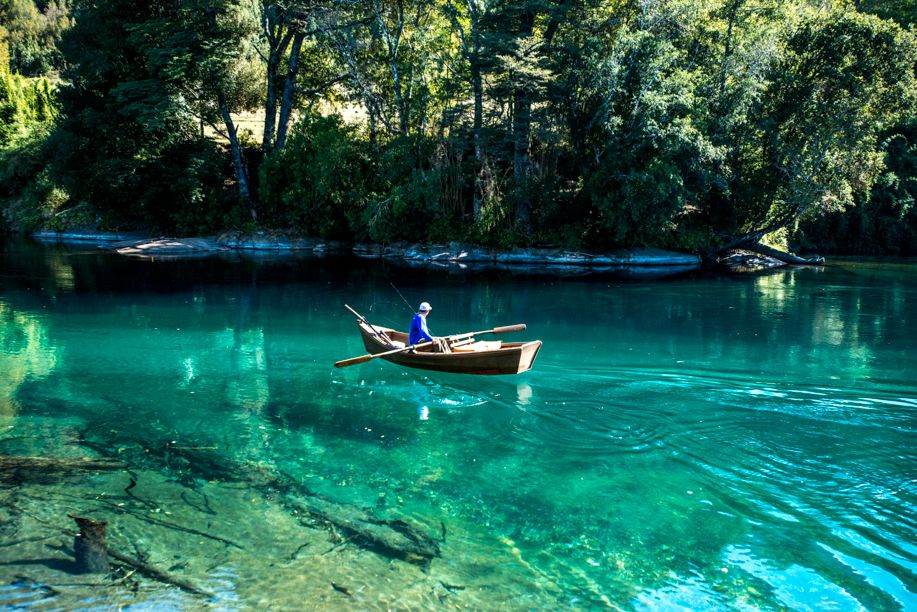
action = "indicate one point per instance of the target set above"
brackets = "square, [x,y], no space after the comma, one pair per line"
[424,307]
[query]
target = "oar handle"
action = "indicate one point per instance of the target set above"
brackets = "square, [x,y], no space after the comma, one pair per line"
[355,313]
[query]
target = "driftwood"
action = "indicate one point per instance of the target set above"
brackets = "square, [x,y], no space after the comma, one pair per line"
[158,574]
[92,555]
[89,546]
[17,470]
[788,258]
[395,538]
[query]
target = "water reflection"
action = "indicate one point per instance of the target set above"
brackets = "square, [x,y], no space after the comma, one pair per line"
[248,387]
[26,353]
[523,395]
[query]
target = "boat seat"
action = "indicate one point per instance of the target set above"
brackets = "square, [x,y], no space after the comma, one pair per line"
[477,347]
[397,344]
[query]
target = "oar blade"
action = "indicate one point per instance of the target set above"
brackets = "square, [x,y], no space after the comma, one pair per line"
[509,328]
[353,361]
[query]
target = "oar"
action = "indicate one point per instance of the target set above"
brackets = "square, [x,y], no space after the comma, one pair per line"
[497,330]
[364,358]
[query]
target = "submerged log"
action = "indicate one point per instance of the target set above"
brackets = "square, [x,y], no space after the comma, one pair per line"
[158,574]
[89,546]
[395,538]
[92,556]
[16,470]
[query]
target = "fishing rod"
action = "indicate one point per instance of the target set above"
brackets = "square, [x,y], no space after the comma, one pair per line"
[411,308]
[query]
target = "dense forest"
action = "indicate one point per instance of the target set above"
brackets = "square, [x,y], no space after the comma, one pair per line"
[688,124]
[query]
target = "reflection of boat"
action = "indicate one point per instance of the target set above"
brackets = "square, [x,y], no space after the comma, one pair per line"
[492,357]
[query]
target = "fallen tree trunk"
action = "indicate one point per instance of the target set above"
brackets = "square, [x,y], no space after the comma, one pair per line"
[392,537]
[16,470]
[787,258]
[396,538]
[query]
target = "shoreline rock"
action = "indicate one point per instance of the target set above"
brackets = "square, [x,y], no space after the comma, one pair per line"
[454,256]
[460,253]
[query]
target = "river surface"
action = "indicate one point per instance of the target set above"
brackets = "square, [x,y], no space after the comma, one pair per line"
[703,442]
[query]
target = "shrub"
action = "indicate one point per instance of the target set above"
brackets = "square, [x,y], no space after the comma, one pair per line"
[316,183]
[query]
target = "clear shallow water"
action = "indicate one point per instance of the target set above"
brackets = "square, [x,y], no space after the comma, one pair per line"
[703,442]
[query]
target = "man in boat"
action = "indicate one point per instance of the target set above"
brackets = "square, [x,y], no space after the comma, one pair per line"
[419,332]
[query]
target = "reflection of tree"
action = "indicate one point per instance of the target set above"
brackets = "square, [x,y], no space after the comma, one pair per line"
[25,353]
[249,387]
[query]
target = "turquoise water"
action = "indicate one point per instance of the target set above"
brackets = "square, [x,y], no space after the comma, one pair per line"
[715,442]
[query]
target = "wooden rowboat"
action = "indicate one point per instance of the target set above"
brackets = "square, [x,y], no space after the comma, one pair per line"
[492,357]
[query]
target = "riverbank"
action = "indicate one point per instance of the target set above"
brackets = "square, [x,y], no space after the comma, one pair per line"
[454,256]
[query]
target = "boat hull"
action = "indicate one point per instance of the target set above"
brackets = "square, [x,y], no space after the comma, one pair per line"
[510,358]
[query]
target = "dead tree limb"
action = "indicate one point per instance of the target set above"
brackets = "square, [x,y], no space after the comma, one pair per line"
[158,574]
[395,538]
[46,470]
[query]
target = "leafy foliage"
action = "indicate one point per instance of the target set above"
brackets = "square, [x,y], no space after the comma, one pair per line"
[32,31]
[678,123]
[26,106]
[317,183]
[884,222]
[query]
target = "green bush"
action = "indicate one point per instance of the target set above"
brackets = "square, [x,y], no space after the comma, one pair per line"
[26,105]
[316,183]
[406,195]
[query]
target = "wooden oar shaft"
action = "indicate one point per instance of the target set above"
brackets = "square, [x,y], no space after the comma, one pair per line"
[497,330]
[364,358]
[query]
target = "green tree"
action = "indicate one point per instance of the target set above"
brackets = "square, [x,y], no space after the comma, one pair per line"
[842,80]
[126,143]
[26,106]
[4,50]
[34,31]
[651,159]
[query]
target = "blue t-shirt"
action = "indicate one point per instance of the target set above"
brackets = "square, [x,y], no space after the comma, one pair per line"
[419,332]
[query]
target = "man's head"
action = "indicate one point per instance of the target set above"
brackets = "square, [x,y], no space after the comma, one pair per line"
[424,308]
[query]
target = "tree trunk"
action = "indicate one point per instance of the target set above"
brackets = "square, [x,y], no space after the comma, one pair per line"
[278,41]
[522,129]
[270,104]
[289,87]
[238,161]
[522,123]
[478,87]
[89,546]
[787,258]
[399,100]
